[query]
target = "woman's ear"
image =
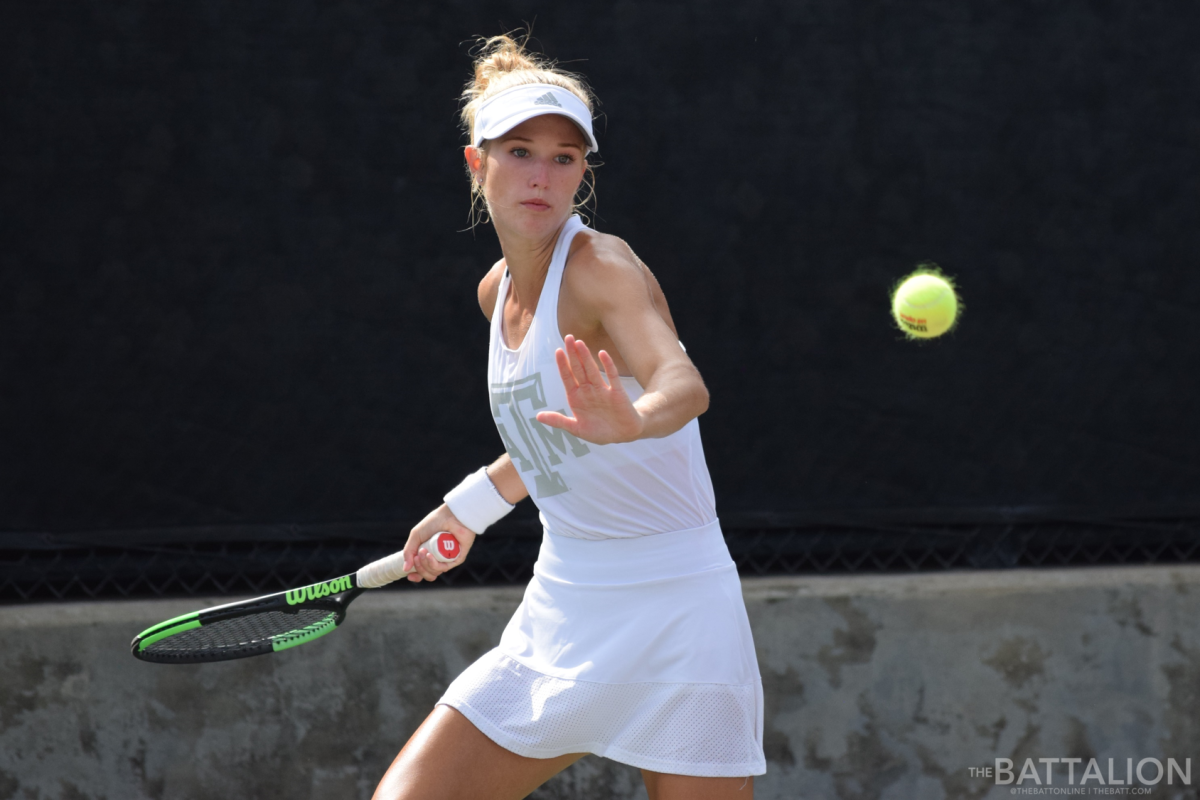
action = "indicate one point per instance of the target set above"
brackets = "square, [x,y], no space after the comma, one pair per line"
[474,157]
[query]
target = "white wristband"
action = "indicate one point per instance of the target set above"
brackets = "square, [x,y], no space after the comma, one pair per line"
[476,502]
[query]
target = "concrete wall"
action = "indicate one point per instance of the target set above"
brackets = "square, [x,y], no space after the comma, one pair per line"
[876,687]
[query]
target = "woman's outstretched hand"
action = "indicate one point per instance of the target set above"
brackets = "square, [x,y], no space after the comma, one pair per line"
[603,411]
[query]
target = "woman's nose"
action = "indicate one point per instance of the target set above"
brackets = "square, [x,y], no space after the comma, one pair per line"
[539,175]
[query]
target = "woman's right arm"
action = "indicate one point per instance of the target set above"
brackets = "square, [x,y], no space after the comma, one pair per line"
[504,476]
[501,472]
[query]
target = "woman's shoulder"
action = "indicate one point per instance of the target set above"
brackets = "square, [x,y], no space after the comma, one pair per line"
[601,259]
[489,287]
[604,270]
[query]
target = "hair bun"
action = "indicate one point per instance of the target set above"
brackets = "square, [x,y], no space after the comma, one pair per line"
[501,54]
[504,61]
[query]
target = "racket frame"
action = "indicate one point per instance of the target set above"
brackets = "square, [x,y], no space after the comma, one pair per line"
[290,601]
[332,596]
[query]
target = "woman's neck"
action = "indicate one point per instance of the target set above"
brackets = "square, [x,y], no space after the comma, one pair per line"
[528,262]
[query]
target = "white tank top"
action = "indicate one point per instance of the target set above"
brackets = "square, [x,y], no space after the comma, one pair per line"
[585,490]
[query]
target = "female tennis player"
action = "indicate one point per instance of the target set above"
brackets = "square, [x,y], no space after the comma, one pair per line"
[632,640]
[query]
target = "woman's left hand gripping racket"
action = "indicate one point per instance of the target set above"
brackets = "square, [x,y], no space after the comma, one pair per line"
[274,622]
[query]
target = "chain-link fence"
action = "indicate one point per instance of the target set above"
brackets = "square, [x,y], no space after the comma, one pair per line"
[228,562]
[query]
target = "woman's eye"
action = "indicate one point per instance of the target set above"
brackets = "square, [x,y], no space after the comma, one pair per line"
[564,159]
[520,152]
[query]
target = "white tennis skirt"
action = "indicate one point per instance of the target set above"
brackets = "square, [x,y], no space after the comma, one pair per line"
[637,650]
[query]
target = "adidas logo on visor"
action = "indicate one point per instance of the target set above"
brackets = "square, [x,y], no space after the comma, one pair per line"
[547,100]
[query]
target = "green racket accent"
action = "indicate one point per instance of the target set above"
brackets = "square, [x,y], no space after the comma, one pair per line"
[267,624]
[306,634]
[247,628]
[168,629]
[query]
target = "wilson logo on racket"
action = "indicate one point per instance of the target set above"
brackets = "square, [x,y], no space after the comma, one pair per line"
[319,590]
[448,546]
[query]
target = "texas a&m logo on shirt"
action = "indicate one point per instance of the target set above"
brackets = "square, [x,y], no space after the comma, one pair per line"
[532,446]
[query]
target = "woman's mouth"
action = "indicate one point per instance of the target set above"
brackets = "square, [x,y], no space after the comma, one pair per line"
[535,204]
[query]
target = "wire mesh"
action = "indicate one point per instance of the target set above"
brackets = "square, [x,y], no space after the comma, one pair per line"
[249,562]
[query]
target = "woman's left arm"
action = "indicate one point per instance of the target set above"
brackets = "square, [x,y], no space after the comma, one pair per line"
[610,289]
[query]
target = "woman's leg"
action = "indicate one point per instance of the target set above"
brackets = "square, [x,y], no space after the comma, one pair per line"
[664,786]
[448,758]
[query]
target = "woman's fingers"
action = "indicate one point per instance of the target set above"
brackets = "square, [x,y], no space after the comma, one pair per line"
[602,410]
[590,370]
[428,567]
[564,370]
[610,369]
[577,362]
[557,420]
[571,346]
[412,561]
[424,565]
[420,570]
[410,551]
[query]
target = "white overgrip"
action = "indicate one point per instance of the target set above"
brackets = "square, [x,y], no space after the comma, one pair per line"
[391,568]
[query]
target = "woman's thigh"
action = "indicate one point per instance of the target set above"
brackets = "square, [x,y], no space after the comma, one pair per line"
[448,758]
[664,786]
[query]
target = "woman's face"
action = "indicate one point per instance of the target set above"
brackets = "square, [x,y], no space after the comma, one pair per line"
[530,174]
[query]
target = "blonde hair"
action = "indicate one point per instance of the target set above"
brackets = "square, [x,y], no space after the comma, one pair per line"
[505,61]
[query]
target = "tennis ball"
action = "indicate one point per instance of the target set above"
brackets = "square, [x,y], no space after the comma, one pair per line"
[925,304]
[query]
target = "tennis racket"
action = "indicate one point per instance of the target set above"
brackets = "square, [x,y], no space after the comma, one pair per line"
[276,621]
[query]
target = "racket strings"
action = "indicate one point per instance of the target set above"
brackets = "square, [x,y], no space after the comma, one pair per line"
[256,629]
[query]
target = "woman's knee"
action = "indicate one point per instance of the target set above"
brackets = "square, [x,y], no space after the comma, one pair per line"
[447,757]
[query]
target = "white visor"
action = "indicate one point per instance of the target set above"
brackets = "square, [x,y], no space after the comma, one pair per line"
[500,114]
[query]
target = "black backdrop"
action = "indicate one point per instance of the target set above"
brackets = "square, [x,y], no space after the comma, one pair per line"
[236,289]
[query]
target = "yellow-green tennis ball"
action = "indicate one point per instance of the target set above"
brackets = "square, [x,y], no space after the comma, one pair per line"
[925,304]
